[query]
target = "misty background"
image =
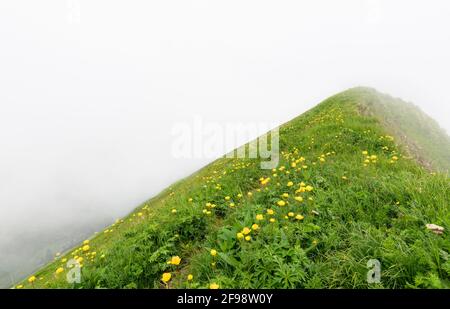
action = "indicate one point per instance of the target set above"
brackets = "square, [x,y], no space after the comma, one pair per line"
[90,91]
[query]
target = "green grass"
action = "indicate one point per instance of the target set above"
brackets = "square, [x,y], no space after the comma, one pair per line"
[355,212]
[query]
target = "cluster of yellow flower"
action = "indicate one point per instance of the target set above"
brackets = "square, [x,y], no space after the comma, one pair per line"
[369,158]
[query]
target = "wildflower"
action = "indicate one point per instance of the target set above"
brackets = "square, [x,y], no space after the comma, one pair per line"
[64,260]
[166,277]
[31,279]
[299,217]
[175,260]
[239,195]
[248,238]
[272,220]
[299,199]
[213,252]
[190,277]
[174,211]
[255,227]
[232,204]
[249,194]
[80,260]
[344,177]
[322,160]
[365,152]
[239,236]
[309,188]
[285,195]
[246,231]
[259,217]
[270,212]
[59,270]
[86,248]
[281,203]
[213,286]
[290,184]
[227,198]
[208,213]
[291,214]
[373,157]
[86,242]
[190,200]
[20,286]
[102,256]
[139,214]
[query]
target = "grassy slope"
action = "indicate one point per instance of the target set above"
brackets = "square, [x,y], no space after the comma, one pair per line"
[362,212]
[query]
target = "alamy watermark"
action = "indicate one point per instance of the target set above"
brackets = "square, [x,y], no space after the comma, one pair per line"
[374,273]
[201,139]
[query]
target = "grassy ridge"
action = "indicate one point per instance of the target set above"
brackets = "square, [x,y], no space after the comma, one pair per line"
[343,193]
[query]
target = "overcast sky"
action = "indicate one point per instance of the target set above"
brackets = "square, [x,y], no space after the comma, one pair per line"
[90,89]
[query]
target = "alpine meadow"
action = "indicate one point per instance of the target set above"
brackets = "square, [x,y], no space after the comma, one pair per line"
[362,177]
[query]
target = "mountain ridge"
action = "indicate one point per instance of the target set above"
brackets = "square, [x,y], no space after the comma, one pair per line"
[344,193]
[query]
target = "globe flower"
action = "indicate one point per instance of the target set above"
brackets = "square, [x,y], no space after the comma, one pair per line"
[290,184]
[86,242]
[281,203]
[239,236]
[31,279]
[248,238]
[190,277]
[175,260]
[299,217]
[255,227]
[270,211]
[291,214]
[246,231]
[166,277]
[259,217]
[59,270]
[272,220]
[299,199]
[213,286]
[213,252]
[86,248]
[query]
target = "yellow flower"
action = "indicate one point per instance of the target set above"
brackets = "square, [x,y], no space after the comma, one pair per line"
[285,195]
[322,160]
[213,286]
[248,238]
[246,231]
[249,194]
[270,212]
[365,152]
[190,200]
[227,198]
[272,220]
[281,203]
[20,286]
[64,260]
[175,260]
[232,204]
[291,214]
[86,248]
[166,277]
[299,217]
[259,217]
[255,227]
[373,157]
[190,277]
[174,211]
[239,236]
[139,214]
[59,270]
[290,184]
[80,260]
[213,252]
[86,242]
[309,188]
[299,199]
[31,279]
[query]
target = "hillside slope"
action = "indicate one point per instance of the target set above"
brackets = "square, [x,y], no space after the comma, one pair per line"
[344,193]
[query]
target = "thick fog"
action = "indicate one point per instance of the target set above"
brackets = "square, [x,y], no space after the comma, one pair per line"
[90,91]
